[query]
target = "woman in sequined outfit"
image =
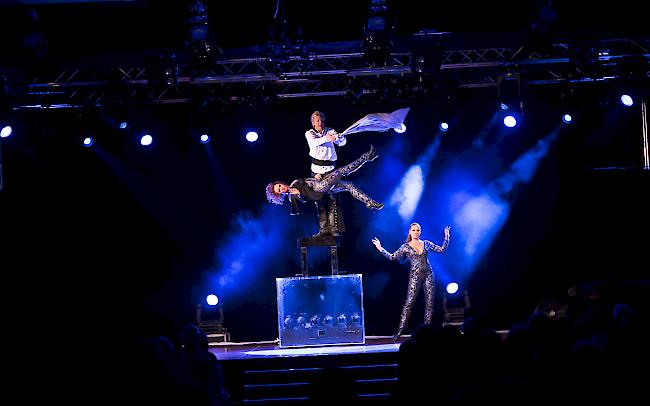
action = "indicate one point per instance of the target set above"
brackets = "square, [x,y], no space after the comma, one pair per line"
[416,251]
[314,189]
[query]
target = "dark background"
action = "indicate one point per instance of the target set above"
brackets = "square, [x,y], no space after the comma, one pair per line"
[124,240]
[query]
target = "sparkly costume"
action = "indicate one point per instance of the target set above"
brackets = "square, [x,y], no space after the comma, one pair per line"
[420,271]
[315,189]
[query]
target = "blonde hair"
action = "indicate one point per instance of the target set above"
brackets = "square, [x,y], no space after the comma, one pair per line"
[408,237]
[317,114]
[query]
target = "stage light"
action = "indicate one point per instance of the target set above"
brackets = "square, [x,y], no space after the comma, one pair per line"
[212,299]
[567,118]
[251,136]
[6,131]
[426,60]
[509,92]
[455,306]
[626,100]
[452,288]
[88,141]
[210,320]
[376,45]
[123,125]
[509,121]
[444,126]
[170,76]
[202,39]
[146,140]
[401,129]
[205,138]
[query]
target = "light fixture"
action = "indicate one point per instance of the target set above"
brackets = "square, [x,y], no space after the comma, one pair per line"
[6,131]
[456,305]
[252,136]
[509,92]
[377,44]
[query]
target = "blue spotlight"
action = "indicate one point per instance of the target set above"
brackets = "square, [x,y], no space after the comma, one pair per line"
[503,106]
[444,126]
[627,100]
[146,140]
[567,118]
[212,299]
[6,131]
[123,125]
[509,121]
[88,141]
[452,288]
[401,129]
[251,136]
[205,138]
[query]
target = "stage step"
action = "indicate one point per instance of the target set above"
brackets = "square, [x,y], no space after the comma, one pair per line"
[369,383]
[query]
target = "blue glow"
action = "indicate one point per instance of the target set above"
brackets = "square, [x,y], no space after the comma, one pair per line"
[478,220]
[452,288]
[522,170]
[146,140]
[407,194]
[627,100]
[251,136]
[509,121]
[567,118]
[444,126]
[401,129]
[376,23]
[255,244]
[212,299]
[205,138]
[504,106]
[6,131]
[123,125]
[480,217]
[88,142]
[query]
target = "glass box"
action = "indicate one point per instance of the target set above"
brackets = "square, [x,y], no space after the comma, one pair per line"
[320,310]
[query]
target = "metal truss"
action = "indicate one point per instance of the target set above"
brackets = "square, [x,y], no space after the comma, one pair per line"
[277,76]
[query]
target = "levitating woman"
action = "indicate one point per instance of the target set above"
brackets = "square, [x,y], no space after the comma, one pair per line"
[314,189]
[416,251]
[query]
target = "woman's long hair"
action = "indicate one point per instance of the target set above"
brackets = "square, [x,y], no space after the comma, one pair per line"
[408,237]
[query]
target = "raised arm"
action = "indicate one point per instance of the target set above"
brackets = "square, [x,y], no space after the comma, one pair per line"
[437,248]
[399,254]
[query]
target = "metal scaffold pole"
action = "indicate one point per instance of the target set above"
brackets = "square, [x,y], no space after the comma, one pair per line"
[644,134]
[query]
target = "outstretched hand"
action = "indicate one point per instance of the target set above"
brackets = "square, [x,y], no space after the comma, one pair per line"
[377,243]
[447,231]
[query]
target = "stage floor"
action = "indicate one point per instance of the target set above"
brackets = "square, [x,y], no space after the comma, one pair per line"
[271,349]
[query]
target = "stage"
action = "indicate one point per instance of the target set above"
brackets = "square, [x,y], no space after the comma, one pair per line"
[263,372]
[226,351]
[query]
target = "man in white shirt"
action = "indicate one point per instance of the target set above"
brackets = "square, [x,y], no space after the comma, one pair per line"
[321,141]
